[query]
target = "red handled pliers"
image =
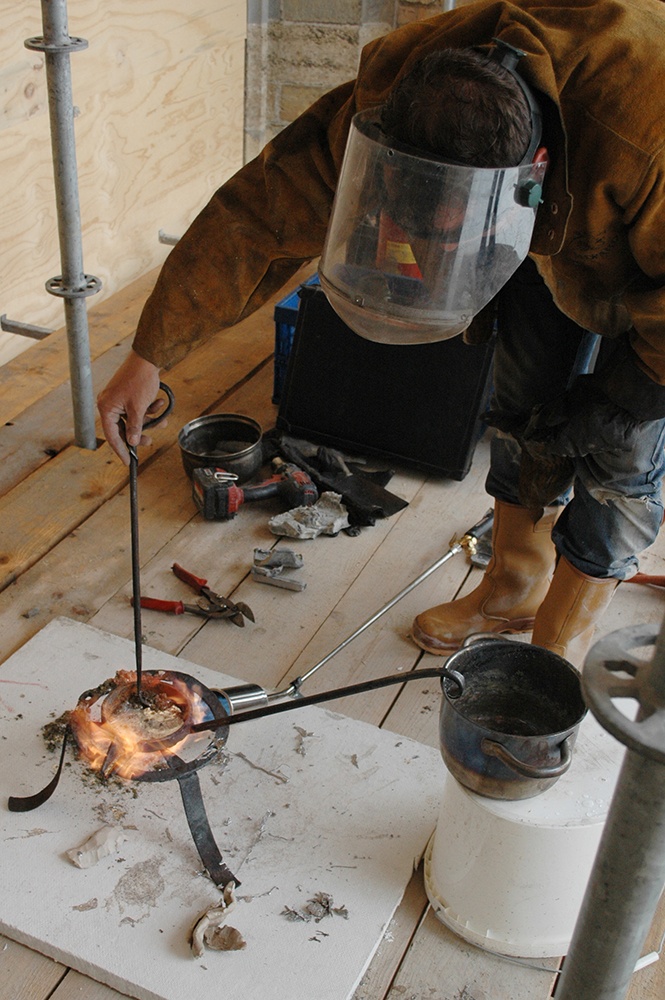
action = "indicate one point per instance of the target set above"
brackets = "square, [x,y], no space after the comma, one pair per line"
[211,605]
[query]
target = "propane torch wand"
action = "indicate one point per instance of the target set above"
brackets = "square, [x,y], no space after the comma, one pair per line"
[468,543]
[242,696]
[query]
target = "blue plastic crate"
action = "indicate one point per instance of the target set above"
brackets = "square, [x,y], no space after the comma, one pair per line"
[286,315]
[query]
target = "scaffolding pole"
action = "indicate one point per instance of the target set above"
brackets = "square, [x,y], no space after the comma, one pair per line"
[629,870]
[73,285]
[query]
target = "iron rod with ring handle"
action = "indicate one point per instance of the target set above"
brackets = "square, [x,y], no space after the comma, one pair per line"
[134,530]
[170,403]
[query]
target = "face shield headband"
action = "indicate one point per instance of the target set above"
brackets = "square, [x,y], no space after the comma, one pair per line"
[416,246]
[508,56]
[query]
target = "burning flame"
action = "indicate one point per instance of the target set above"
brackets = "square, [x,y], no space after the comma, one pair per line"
[116,734]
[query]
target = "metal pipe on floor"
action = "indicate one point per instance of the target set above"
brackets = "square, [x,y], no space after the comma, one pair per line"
[73,285]
[629,870]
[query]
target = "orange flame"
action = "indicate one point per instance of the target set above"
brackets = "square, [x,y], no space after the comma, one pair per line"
[133,738]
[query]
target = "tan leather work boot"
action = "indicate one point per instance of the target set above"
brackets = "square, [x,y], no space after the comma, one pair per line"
[566,619]
[512,589]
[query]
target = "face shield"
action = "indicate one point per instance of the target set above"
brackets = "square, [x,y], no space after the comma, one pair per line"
[416,246]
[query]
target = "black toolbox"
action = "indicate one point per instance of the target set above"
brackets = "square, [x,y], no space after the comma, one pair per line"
[417,405]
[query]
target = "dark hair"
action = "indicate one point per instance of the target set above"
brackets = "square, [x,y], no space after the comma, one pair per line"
[462,105]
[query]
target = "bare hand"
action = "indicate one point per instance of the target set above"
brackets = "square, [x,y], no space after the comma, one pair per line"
[128,397]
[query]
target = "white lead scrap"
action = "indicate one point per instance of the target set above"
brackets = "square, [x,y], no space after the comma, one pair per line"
[327,516]
[102,844]
[211,930]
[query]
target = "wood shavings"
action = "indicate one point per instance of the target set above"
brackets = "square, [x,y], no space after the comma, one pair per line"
[316,908]
[102,844]
[211,930]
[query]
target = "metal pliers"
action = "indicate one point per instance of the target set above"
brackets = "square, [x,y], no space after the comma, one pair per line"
[211,605]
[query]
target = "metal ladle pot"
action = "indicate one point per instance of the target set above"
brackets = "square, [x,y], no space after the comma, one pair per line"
[511,732]
[222,440]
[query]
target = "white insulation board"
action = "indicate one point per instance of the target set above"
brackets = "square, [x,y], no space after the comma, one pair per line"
[302,803]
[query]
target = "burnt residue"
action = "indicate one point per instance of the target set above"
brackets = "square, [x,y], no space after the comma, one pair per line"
[316,908]
[53,732]
[141,885]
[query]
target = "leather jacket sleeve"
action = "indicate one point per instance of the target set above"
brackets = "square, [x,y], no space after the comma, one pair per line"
[252,236]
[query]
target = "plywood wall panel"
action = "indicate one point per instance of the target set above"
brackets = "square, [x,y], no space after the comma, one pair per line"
[159,93]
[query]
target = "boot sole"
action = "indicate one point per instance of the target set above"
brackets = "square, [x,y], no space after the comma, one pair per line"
[440,647]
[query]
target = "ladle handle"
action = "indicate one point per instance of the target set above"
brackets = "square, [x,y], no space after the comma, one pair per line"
[495,749]
[317,699]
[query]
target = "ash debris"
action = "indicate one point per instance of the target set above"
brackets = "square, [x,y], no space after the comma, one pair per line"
[316,908]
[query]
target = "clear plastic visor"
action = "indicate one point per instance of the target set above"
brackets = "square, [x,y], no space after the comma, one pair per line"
[416,247]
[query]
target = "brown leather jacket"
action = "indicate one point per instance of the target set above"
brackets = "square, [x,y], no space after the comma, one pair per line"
[599,240]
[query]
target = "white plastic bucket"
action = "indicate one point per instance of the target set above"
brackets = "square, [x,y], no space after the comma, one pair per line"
[510,876]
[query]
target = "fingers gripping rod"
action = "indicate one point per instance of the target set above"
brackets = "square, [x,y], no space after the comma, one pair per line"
[467,543]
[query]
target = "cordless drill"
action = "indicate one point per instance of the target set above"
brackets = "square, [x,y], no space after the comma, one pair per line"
[218,499]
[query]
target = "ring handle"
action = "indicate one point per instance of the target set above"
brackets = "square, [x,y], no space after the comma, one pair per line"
[168,392]
[495,749]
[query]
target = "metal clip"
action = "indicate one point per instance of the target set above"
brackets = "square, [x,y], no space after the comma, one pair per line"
[222,476]
[278,557]
[269,566]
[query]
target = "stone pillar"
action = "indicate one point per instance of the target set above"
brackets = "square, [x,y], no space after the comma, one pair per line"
[299,49]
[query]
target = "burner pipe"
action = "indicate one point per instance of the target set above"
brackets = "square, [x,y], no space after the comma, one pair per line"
[629,870]
[73,285]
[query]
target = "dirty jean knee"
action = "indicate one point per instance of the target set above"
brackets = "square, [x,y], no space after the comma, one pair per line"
[617,507]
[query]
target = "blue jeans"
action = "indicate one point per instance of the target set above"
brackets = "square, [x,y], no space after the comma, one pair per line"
[615,509]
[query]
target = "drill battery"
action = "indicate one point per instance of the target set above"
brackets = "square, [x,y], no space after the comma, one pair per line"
[219,498]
